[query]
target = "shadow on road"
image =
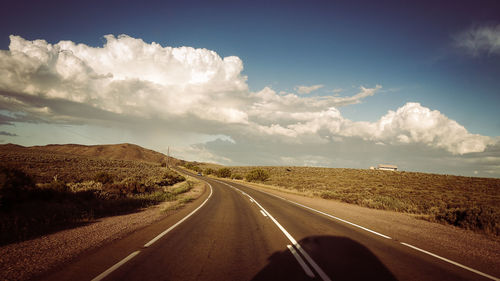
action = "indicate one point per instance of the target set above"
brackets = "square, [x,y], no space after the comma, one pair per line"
[340,258]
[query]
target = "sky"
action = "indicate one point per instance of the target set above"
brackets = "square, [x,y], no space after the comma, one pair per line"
[348,84]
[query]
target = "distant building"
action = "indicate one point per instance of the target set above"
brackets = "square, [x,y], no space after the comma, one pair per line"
[386,167]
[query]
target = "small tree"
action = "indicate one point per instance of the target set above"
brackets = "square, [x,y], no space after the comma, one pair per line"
[257,175]
[223,173]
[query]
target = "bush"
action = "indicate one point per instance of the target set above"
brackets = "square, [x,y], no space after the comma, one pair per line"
[223,173]
[257,175]
[209,171]
[104,178]
[192,167]
[13,186]
[237,177]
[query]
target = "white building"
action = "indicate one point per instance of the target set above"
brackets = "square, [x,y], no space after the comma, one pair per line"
[386,167]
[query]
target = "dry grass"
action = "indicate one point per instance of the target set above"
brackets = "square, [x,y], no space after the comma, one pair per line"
[42,192]
[467,202]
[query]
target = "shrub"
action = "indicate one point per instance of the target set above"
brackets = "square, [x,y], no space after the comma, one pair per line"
[13,186]
[192,167]
[237,177]
[209,171]
[223,173]
[104,178]
[257,175]
[170,178]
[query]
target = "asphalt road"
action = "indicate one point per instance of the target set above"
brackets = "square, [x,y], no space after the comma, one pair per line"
[239,233]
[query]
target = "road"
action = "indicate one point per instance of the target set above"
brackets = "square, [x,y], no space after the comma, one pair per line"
[235,232]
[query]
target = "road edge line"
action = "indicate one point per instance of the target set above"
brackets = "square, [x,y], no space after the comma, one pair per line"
[452,262]
[115,266]
[385,236]
[159,236]
[316,267]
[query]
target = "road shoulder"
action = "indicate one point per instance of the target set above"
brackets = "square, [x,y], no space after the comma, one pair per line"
[52,253]
[472,249]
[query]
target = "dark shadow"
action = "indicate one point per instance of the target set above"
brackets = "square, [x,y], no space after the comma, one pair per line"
[339,257]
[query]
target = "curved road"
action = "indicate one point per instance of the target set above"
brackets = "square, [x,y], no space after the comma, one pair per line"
[238,233]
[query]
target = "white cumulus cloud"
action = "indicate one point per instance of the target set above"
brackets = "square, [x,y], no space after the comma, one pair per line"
[126,75]
[195,90]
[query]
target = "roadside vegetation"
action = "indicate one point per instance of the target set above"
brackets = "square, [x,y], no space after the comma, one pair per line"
[466,202]
[45,192]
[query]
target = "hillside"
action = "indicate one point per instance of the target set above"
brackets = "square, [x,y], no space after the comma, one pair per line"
[124,151]
[48,188]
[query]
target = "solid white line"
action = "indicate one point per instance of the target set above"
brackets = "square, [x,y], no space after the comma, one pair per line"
[263,213]
[452,262]
[325,214]
[114,267]
[179,222]
[342,220]
[385,236]
[316,267]
[301,261]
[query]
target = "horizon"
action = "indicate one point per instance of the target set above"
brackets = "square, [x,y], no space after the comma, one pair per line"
[338,85]
[232,166]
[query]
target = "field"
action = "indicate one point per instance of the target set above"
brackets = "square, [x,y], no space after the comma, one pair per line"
[467,202]
[44,191]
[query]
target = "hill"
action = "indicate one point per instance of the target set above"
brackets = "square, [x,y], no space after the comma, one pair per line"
[124,151]
[76,163]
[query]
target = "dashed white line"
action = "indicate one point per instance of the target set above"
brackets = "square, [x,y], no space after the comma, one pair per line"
[385,236]
[129,257]
[328,215]
[299,259]
[314,265]
[116,266]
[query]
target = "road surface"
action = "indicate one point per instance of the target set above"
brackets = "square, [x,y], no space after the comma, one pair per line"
[234,232]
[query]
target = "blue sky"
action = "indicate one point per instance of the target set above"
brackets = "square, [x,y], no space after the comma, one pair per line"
[414,50]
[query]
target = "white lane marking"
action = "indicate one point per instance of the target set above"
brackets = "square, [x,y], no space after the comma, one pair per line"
[116,266]
[385,236]
[339,219]
[129,257]
[325,214]
[179,222]
[316,267]
[263,213]
[453,262]
[301,261]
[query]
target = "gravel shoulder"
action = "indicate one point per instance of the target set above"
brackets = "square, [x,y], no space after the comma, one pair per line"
[31,258]
[475,250]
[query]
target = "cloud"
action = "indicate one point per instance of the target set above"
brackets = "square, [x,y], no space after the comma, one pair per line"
[307,89]
[479,40]
[128,83]
[128,76]
[3,133]
[410,124]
